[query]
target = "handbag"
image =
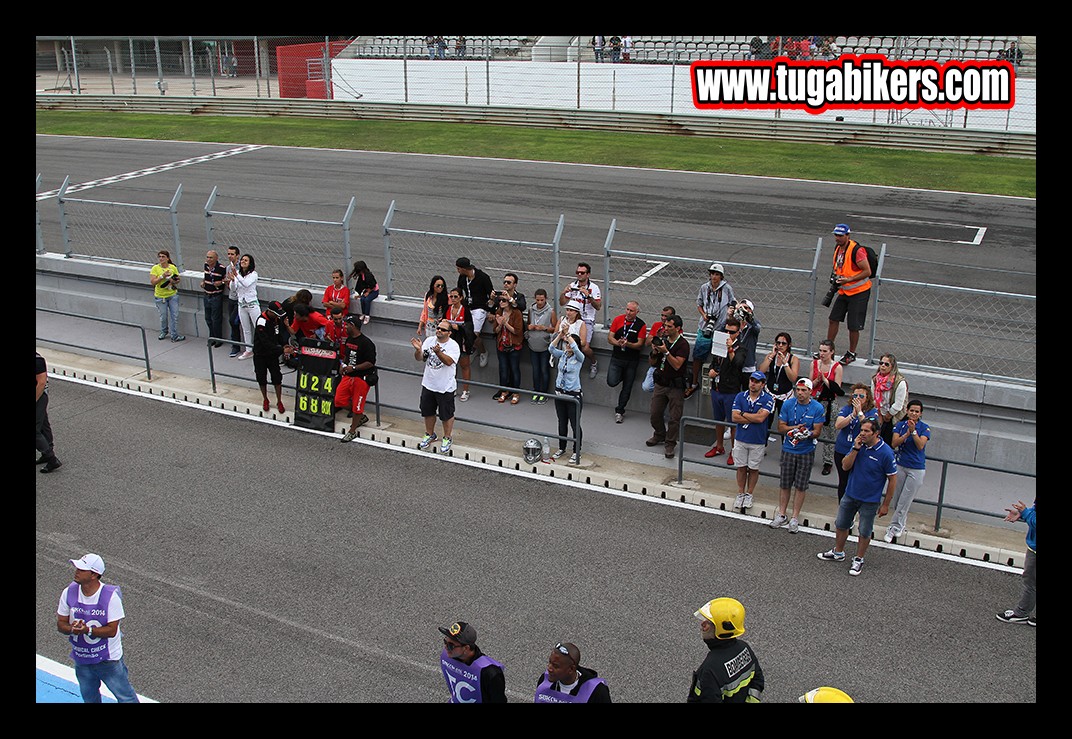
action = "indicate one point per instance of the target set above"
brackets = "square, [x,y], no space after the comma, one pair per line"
[372,377]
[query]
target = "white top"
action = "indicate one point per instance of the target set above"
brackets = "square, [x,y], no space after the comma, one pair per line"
[244,288]
[115,608]
[439,377]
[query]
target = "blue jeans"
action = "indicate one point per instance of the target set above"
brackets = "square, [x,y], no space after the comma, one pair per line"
[113,674]
[625,373]
[848,509]
[510,369]
[541,371]
[168,308]
[366,302]
[214,315]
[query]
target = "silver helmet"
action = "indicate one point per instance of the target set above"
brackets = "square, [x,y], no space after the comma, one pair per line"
[533,451]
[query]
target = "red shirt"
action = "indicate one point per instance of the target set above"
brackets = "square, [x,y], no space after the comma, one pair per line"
[338,294]
[308,326]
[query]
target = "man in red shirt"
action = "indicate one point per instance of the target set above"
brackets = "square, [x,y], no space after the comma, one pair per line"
[308,323]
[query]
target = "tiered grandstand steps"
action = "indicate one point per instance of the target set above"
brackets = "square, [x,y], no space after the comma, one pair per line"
[414,47]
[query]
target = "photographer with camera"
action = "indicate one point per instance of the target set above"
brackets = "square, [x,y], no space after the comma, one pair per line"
[851,283]
[568,352]
[712,301]
[670,356]
[164,277]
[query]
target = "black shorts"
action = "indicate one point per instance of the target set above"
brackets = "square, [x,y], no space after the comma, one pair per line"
[441,404]
[262,366]
[853,305]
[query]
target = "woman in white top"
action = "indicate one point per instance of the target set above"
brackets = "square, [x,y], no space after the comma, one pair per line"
[890,390]
[572,323]
[244,290]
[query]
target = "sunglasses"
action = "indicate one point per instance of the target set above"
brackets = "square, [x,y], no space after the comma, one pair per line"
[439,285]
[884,364]
[581,273]
[731,333]
[451,645]
[440,328]
[508,282]
[782,343]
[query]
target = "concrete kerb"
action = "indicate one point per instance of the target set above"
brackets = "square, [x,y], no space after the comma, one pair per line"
[967,540]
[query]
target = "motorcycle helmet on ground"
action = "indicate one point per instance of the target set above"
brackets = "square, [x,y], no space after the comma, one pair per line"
[533,451]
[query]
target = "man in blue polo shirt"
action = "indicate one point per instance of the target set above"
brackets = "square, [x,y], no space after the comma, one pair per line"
[750,411]
[801,420]
[873,465]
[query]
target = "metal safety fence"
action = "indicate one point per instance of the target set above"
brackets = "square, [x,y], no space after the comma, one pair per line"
[414,256]
[966,330]
[657,280]
[105,229]
[300,250]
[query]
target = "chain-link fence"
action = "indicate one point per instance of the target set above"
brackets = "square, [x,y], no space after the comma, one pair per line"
[976,332]
[655,280]
[414,256]
[105,229]
[297,250]
[648,74]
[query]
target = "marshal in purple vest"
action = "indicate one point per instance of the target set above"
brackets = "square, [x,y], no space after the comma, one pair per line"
[86,651]
[463,680]
[546,694]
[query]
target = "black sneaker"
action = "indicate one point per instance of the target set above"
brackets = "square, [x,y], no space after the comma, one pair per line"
[1030,620]
[849,358]
[51,466]
[1010,617]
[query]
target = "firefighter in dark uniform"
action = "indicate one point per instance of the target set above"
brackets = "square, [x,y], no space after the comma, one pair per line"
[730,672]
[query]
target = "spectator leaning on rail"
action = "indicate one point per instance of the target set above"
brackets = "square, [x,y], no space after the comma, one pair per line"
[852,276]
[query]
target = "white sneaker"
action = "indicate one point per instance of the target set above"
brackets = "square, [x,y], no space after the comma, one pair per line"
[793,525]
[888,538]
[618,417]
[778,521]
[245,355]
[465,396]
[595,369]
[738,502]
[856,567]
[747,501]
[574,459]
[484,359]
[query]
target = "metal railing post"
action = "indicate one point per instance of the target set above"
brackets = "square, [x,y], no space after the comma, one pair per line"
[65,230]
[607,243]
[347,217]
[173,211]
[387,248]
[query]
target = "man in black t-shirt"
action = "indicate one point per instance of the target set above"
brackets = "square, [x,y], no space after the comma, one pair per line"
[670,356]
[44,428]
[475,287]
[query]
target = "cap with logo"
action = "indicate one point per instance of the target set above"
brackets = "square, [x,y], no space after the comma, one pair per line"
[805,382]
[716,267]
[757,375]
[91,562]
[841,229]
[460,632]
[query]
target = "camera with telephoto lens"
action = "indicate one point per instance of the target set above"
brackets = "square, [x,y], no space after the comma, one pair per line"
[708,329]
[832,291]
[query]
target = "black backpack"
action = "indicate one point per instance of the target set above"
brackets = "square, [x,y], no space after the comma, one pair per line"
[872,258]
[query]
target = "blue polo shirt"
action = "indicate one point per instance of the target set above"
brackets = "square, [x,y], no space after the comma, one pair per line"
[870,472]
[845,437]
[753,433]
[795,414]
[908,454]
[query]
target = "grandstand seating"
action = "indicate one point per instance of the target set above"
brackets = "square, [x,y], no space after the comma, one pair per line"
[685,49]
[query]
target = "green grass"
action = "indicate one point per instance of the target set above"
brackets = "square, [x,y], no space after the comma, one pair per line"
[959,172]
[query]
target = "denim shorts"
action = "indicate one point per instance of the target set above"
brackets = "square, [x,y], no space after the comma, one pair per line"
[848,509]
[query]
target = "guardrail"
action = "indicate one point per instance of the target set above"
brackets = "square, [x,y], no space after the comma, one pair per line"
[144,342]
[940,505]
[1003,143]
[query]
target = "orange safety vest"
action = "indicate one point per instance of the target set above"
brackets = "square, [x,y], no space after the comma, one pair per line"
[848,268]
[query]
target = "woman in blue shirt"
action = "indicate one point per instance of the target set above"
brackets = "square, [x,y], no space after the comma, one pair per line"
[569,357]
[910,437]
[860,406]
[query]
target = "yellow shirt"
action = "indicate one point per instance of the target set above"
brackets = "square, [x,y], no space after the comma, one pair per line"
[158,271]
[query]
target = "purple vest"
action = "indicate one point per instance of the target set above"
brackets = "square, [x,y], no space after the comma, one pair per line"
[86,651]
[463,680]
[546,694]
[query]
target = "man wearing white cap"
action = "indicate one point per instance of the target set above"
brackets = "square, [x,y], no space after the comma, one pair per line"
[852,275]
[89,614]
[713,299]
[801,420]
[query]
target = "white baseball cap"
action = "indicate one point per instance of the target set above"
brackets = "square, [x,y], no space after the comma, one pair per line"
[91,562]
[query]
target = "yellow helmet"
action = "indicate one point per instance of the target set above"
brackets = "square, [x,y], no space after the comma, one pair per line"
[727,614]
[825,695]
